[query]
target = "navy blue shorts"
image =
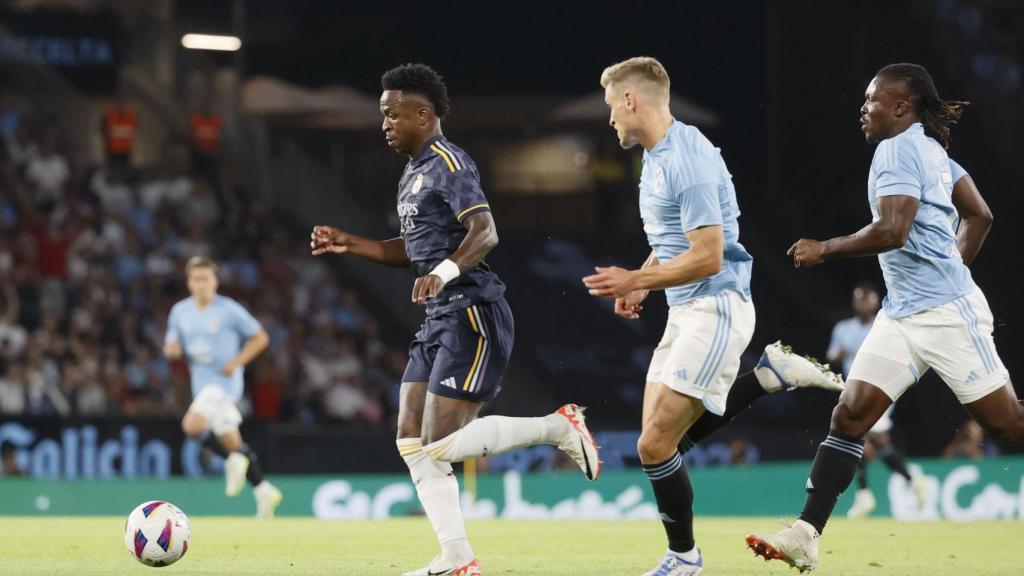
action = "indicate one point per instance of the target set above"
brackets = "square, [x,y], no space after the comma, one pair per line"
[463,354]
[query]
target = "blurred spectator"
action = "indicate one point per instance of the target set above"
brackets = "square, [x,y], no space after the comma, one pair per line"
[8,463]
[119,123]
[969,442]
[47,171]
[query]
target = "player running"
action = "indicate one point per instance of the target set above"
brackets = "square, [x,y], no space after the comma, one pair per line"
[688,205]
[218,337]
[458,358]
[933,316]
[847,337]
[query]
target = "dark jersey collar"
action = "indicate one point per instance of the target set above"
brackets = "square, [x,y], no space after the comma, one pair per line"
[425,152]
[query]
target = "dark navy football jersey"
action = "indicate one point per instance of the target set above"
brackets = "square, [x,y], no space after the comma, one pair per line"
[439,189]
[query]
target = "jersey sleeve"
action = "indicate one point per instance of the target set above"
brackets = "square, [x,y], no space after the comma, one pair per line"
[957,170]
[462,192]
[696,187]
[246,324]
[897,169]
[173,326]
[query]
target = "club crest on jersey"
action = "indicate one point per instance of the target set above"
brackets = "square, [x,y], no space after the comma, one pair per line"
[417,184]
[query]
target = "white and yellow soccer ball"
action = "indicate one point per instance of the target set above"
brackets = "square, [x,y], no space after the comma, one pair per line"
[157,533]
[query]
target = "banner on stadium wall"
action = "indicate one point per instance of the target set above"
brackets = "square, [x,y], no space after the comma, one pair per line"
[958,490]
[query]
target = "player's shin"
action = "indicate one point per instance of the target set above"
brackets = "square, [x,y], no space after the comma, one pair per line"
[254,474]
[497,434]
[832,472]
[438,492]
[674,494]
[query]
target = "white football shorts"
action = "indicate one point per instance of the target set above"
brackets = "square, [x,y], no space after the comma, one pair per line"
[699,355]
[214,404]
[954,339]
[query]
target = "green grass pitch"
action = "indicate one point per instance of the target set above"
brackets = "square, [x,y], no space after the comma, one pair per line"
[94,545]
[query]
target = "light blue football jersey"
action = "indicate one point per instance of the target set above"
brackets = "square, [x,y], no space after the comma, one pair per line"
[928,270]
[848,334]
[211,337]
[685,185]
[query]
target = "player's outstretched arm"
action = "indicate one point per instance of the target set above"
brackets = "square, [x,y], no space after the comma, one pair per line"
[889,232]
[975,218]
[326,239]
[481,238]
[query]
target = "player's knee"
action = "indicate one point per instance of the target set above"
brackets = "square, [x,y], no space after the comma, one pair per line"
[848,422]
[191,425]
[652,448]
[409,428]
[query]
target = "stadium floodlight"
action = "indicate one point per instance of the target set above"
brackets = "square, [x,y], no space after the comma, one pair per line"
[211,42]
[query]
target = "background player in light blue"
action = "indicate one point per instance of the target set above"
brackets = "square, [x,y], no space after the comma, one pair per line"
[926,227]
[847,337]
[218,337]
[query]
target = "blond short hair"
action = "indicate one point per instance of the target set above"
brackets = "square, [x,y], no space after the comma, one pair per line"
[644,70]
[197,262]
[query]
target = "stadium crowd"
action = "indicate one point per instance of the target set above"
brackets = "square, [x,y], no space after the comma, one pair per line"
[91,260]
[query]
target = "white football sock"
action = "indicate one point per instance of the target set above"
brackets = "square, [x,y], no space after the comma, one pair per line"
[497,434]
[438,491]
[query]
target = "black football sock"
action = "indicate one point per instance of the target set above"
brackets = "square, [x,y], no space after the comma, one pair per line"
[832,471]
[212,443]
[255,472]
[895,460]
[862,474]
[674,494]
[745,390]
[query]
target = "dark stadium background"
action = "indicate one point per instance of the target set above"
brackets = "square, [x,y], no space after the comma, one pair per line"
[785,81]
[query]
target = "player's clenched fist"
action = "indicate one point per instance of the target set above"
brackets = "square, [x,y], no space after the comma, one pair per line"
[328,239]
[807,253]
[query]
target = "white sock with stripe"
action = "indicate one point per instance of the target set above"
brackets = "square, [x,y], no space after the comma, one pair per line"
[497,434]
[438,491]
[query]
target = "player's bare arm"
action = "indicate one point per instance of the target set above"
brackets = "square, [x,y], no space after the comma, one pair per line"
[889,232]
[703,259]
[173,350]
[327,239]
[629,306]
[253,346]
[975,218]
[481,238]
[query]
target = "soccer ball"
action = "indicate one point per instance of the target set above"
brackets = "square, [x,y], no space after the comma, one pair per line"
[157,533]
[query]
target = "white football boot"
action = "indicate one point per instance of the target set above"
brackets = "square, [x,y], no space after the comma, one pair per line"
[673,564]
[919,483]
[863,504]
[268,498]
[781,369]
[235,467]
[440,566]
[578,443]
[797,546]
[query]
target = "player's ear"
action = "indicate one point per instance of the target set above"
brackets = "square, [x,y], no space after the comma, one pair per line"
[901,108]
[630,97]
[423,115]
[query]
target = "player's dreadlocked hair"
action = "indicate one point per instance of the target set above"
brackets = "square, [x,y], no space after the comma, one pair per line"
[419,79]
[936,114]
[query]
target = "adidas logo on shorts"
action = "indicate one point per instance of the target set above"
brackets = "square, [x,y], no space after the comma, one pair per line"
[449,382]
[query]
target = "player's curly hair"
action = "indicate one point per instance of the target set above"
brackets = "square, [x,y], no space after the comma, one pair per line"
[419,79]
[936,114]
